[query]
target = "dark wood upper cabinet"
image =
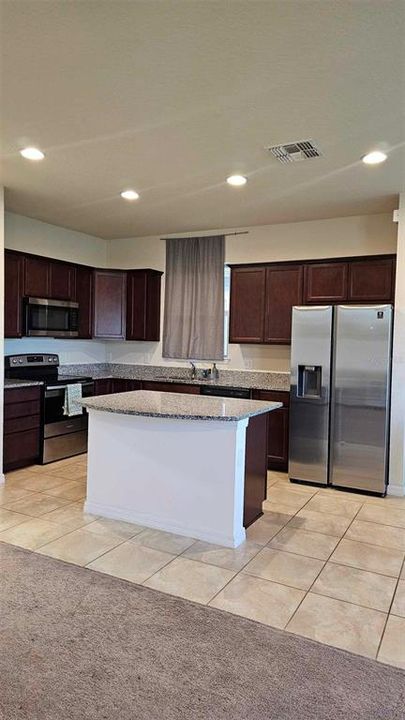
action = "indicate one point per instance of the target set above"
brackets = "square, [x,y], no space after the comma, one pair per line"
[13,294]
[284,286]
[247,305]
[109,304]
[62,281]
[325,282]
[371,280]
[143,304]
[36,277]
[84,296]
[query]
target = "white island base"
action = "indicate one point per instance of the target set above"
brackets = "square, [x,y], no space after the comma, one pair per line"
[182,476]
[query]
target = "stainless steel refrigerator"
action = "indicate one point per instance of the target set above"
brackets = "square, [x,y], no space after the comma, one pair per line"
[340,396]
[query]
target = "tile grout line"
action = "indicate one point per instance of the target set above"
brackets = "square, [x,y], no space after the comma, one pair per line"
[389,614]
[321,570]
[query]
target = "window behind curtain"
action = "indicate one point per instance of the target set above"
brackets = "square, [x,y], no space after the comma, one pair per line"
[193,325]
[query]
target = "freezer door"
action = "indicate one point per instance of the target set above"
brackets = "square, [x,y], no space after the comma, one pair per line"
[310,393]
[361,397]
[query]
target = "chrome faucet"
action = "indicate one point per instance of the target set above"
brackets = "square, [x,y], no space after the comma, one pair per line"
[193,371]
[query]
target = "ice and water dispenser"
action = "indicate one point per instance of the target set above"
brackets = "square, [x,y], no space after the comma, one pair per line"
[309,381]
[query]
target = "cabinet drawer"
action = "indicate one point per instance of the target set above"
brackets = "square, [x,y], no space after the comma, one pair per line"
[14,425]
[18,395]
[22,409]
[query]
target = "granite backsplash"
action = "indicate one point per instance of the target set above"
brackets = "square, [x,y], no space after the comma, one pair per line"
[254,379]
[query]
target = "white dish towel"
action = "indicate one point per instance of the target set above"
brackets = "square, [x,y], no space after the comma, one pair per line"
[73,395]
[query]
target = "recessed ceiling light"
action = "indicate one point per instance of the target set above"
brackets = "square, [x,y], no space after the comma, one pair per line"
[236,180]
[130,195]
[32,153]
[374,158]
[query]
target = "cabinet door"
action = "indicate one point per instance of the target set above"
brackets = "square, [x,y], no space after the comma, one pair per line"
[62,281]
[371,280]
[247,305]
[102,386]
[109,304]
[277,429]
[121,385]
[283,290]
[325,282]
[143,305]
[36,277]
[13,293]
[84,296]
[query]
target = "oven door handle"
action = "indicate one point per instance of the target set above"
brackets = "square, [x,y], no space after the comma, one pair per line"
[63,387]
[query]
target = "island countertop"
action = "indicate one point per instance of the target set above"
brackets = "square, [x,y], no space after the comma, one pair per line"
[148,403]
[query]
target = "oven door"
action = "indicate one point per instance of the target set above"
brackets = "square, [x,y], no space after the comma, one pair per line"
[52,318]
[54,403]
[63,436]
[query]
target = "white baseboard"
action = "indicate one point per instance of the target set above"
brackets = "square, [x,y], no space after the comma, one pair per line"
[396,490]
[151,521]
[2,478]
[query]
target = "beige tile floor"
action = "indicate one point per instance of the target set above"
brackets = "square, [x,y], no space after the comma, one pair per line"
[321,563]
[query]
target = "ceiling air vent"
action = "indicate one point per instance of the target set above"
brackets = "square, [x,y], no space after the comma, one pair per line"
[295,151]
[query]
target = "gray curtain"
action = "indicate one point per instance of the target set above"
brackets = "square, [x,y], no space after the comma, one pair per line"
[194,298]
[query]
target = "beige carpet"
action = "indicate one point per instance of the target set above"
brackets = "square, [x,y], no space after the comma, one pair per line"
[79,645]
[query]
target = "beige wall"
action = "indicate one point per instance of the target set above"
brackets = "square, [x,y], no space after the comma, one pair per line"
[348,236]
[358,235]
[397,448]
[28,235]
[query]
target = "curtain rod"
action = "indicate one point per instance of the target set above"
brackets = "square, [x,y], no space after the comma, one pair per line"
[240,232]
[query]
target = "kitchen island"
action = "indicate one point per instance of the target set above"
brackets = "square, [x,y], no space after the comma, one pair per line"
[186,464]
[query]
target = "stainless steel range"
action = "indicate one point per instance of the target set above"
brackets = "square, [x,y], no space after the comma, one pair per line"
[62,436]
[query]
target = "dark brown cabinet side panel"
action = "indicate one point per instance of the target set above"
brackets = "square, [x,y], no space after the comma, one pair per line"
[277,429]
[109,304]
[13,295]
[36,277]
[371,280]
[325,282]
[62,281]
[143,305]
[284,287]
[255,468]
[247,305]
[84,296]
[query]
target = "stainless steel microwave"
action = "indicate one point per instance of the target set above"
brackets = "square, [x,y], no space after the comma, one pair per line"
[51,318]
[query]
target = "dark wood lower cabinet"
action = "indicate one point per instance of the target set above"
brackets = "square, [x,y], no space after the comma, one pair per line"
[121,385]
[255,468]
[22,427]
[171,387]
[277,429]
[102,386]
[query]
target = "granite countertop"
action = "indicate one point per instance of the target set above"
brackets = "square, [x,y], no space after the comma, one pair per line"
[10,384]
[248,379]
[147,403]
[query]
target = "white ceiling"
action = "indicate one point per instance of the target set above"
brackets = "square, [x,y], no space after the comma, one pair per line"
[171,96]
